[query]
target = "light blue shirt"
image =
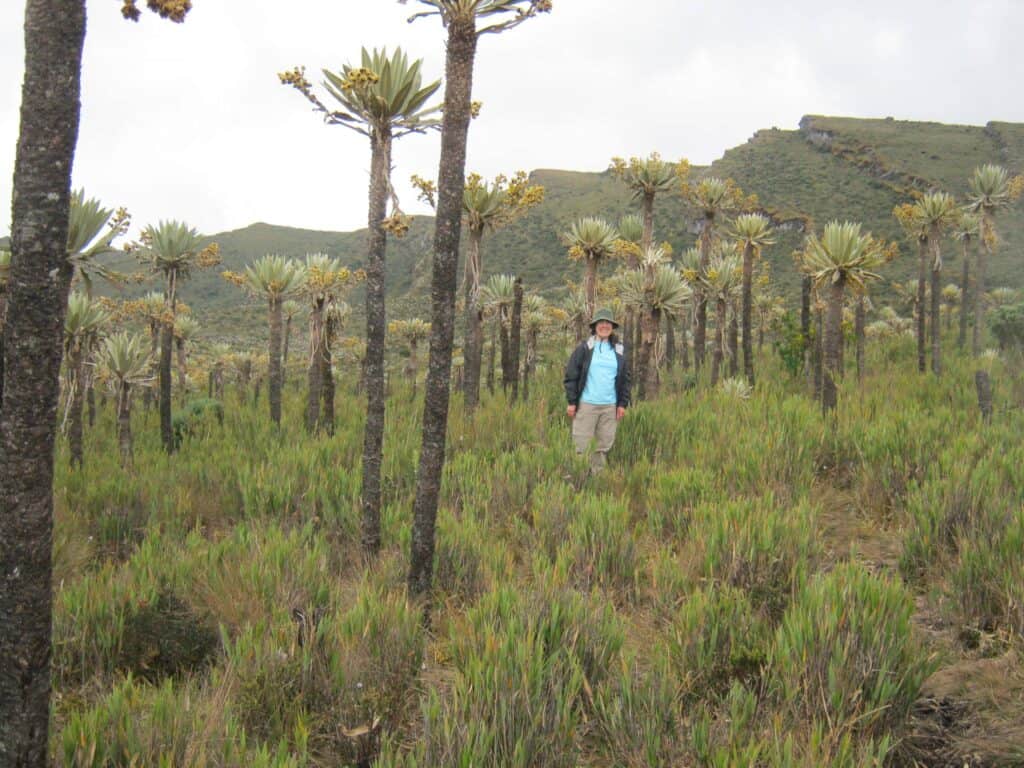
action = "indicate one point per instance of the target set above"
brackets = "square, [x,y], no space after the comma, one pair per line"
[600,386]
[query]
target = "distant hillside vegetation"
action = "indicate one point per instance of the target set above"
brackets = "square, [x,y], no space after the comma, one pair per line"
[830,167]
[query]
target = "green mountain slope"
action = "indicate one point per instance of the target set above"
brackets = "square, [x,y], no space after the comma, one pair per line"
[830,167]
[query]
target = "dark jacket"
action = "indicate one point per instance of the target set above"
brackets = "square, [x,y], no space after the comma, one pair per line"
[579,365]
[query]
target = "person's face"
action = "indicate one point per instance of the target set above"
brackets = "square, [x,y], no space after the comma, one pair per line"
[603,329]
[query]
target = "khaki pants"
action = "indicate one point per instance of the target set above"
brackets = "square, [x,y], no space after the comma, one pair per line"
[595,422]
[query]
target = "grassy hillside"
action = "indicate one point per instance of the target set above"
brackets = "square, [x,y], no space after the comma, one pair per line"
[831,167]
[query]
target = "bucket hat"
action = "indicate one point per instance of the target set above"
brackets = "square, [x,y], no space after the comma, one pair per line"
[603,314]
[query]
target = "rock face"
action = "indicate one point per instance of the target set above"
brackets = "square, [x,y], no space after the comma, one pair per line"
[817,136]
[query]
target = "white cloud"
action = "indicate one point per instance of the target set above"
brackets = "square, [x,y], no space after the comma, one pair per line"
[189,121]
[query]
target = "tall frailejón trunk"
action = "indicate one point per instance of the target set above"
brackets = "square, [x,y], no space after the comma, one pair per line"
[515,337]
[326,422]
[718,352]
[858,331]
[315,373]
[700,297]
[530,363]
[284,351]
[936,273]
[818,355]
[805,314]
[506,354]
[154,365]
[734,343]
[646,369]
[748,307]
[124,424]
[833,340]
[472,345]
[90,399]
[76,395]
[274,360]
[979,286]
[965,292]
[922,281]
[461,51]
[166,349]
[38,284]
[376,330]
[182,368]
[492,353]
[684,341]
[670,343]
[590,288]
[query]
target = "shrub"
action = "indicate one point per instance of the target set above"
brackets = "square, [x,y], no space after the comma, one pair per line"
[523,665]
[338,681]
[637,719]
[989,582]
[601,547]
[166,725]
[197,418]
[716,639]
[756,546]
[845,652]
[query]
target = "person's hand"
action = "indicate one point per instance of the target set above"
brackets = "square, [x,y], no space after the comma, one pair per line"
[619,413]
[571,410]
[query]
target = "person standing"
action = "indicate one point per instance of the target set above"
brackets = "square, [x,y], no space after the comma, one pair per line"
[597,388]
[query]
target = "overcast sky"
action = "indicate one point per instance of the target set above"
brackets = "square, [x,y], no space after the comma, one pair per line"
[189,121]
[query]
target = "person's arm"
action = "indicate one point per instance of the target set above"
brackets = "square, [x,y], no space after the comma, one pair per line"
[624,393]
[571,380]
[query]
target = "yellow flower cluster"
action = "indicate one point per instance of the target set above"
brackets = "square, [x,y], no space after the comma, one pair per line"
[209,256]
[175,10]
[297,79]
[396,224]
[359,79]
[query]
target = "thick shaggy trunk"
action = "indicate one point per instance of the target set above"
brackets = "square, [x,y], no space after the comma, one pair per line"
[748,305]
[274,359]
[124,424]
[646,369]
[76,371]
[472,345]
[670,343]
[718,352]
[983,385]
[461,51]
[817,356]
[858,332]
[40,277]
[531,361]
[154,364]
[684,341]
[516,337]
[90,399]
[936,329]
[506,353]
[700,298]
[734,344]
[922,281]
[492,353]
[166,349]
[182,369]
[315,372]
[590,288]
[376,330]
[805,314]
[979,287]
[833,341]
[326,422]
[284,349]
[965,285]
